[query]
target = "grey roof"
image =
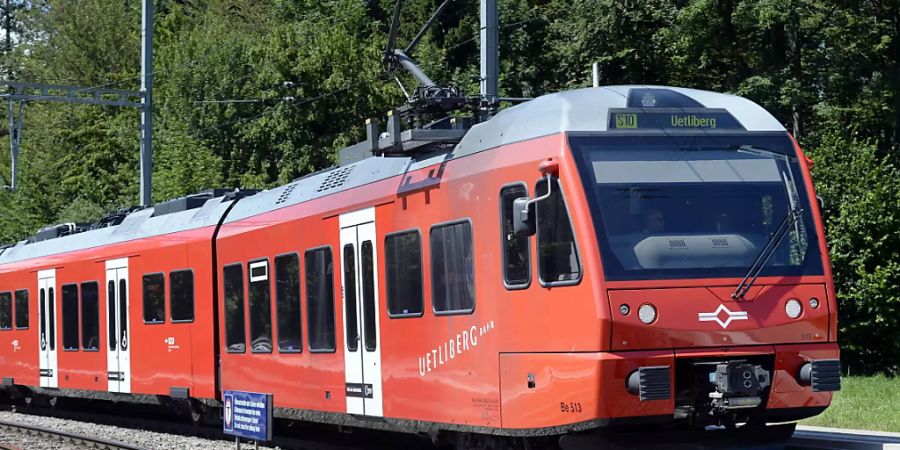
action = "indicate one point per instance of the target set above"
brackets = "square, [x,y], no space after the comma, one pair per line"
[136,225]
[570,111]
[588,110]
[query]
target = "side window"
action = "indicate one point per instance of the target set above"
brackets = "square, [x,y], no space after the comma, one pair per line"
[21,309]
[154,298]
[110,313]
[320,299]
[352,322]
[6,311]
[260,294]
[516,258]
[367,268]
[51,314]
[287,303]
[403,269]
[558,261]
[235,338]
[70,316]
[90,316]
[452,268]
[181,295]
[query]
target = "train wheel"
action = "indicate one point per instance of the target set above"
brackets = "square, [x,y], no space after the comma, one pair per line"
[198,413]
[471,441]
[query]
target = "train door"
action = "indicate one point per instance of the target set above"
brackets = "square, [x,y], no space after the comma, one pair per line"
[118,356]
[359,286]
[49,374]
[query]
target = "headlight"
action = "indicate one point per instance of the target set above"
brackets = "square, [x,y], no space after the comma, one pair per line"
[647,313]
[793,308]
[813,303]
[624,309]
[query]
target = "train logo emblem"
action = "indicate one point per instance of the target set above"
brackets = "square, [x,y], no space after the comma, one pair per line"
[716,316]
[229,412]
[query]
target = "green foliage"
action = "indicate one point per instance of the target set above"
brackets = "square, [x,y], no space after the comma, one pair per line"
[863,403]
[862,216]
[254,94]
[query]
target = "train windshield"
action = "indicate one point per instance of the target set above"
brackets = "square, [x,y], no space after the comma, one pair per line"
[696,206]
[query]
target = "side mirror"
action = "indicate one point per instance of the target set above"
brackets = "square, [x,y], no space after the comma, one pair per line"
[523,217]
[523,214]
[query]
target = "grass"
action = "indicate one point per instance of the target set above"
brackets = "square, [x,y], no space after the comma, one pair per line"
[864,403]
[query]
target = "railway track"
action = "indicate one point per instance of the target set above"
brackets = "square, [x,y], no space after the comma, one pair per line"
[63,437]
[804,438]
[835,439]
[301,436]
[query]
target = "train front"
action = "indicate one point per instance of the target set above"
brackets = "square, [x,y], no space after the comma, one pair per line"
[721,304]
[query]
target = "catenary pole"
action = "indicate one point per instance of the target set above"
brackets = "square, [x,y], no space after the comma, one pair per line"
[147,102]
[489,50]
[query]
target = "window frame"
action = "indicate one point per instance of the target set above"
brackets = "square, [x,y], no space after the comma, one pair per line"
[144,300]
[528,242]
[306,297]
[537,237]
[348,293]
[193,296]
[27,309]
[251,264]
[12,310]
[387,302]
[77,316]
[374,329]
[274,275]
[243,302]
[456,312]
[81,316]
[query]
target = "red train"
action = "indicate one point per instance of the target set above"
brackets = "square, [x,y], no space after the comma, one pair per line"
[604,256]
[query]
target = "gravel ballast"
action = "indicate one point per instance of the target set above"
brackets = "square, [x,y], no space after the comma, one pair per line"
[146,439]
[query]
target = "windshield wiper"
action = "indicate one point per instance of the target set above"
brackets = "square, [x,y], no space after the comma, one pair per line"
[766,254]
[760,151]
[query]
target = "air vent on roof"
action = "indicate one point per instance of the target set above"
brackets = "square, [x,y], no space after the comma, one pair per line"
[286,193]
[677,243]
[719,242]
[186,203]
[335,179]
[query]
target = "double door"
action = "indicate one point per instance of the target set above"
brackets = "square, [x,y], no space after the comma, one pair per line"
[359,285]
[118,354]
[47,363]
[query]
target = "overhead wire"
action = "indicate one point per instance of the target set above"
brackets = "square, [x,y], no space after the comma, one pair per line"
[501,27]
[296,102]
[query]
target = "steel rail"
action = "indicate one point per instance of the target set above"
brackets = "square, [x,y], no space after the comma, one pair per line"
[841,439]
[64,436]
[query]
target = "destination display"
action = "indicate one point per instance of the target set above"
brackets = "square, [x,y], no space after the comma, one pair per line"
[681,119]
[247,415]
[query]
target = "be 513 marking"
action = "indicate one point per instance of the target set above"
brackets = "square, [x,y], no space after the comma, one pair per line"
[570,407]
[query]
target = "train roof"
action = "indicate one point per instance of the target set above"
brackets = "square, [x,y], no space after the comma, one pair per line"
[581,110]
[136,225]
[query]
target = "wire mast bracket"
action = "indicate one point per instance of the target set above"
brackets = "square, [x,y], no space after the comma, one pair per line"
[428,98]
[428,106]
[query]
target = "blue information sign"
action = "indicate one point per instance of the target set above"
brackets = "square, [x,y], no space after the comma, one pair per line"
[247,415]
